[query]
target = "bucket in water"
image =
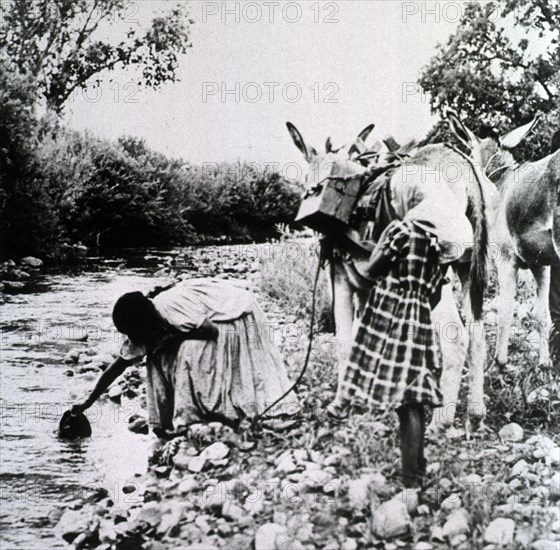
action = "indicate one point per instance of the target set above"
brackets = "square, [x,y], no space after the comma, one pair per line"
[74,425]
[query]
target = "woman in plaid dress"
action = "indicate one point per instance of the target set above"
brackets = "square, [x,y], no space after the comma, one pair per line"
[395,361]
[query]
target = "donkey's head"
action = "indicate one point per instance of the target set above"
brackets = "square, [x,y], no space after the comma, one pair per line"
[494,153]
[333,163]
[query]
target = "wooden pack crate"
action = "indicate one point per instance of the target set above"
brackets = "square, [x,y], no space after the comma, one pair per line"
[328,206]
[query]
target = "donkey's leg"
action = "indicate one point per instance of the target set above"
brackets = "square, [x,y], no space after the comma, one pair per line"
[476,356]
[453,341]
[542,278]
[344,317]
[507,276]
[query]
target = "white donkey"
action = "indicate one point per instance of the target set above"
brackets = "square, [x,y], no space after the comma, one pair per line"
[523,230]
[454,180]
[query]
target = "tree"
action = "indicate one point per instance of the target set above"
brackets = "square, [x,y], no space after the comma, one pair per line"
[495,81]
[56,42]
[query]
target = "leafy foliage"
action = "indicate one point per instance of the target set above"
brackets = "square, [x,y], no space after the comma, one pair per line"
[56,42]
[495,81]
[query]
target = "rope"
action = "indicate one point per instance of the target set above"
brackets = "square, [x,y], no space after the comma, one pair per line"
[310,342]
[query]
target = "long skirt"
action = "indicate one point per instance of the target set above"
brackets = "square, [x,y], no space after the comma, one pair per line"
[235,376]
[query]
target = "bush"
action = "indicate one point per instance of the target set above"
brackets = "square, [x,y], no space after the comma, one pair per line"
[28,213]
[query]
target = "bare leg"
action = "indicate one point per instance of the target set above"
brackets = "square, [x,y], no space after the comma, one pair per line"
[542,278]
[507,275]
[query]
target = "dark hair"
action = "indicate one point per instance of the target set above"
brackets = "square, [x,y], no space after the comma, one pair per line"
[134,315]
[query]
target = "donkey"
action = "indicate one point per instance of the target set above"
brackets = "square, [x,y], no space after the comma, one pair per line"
[468,189]
[522,229]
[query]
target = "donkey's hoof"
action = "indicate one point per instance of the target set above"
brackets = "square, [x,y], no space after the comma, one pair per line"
[546,364]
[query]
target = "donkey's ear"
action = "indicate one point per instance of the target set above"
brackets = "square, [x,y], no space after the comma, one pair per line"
[328,145]
[364,134]
[359,144]
[308,152]
[514,138]
[459,129]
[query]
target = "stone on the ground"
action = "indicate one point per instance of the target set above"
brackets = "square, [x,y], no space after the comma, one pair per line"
[115,393]
[359,489]
[391,519]
[285,464]
[72,357]
[196,464]
[519,468]
[500,531]
[254,504]
[73,523]
[452,502]
[267,535]
[545,544]
[471,479]
[554,486]
[349,544]
[169,524]
[511,432]
[138,424]
[457,523]
[150,513]
[233,511]
[188,485]
[13,285]
[314,480]
[544,448]
[32,262]
[423,546]
[216,451]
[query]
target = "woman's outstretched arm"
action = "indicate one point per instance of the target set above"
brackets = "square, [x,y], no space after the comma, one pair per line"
[116,368]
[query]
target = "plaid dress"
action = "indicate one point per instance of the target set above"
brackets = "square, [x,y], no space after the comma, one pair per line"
[395,357]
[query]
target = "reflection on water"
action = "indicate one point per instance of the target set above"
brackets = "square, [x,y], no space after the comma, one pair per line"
[38,472]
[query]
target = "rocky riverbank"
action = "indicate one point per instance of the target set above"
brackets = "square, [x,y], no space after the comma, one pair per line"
[323,484]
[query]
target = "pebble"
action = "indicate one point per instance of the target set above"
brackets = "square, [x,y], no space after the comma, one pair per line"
[13,285]
[391,519]
[31,261]
[72,357]
[73,523]
[233,511]
[286,465]
[554,486]
[216,451]
[138,424]
[115,393]
[456,524]
[267,535]
[423,546]
[545,544]
[519,468]
[545,448]
[500,531]
[188,485]
[196,464]
[511,432]
[452,502]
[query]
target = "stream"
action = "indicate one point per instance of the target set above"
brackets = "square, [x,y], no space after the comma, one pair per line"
[40,473]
